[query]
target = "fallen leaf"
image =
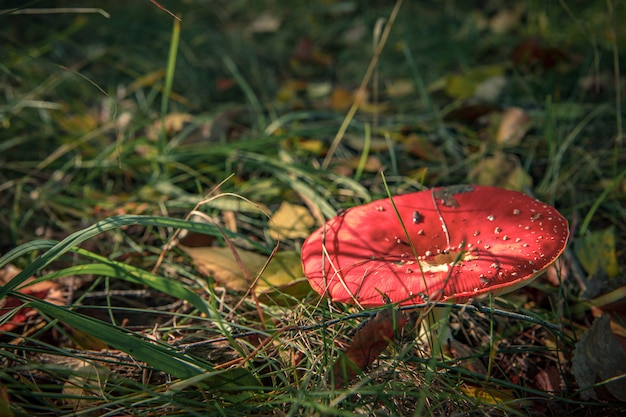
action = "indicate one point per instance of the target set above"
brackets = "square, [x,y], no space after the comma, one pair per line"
[290,90]
[470,112]
[290,294]
[489,396]
[76,124]
[86,341]
[220,263]
[596,252]
[598,358]
[174,123]
[608,296]
[314,146]
[491,89]
[533,54]
[466,356]
[44,290]
[422,148]
[341,99]
[400,87]
[284,269]
[464,85]
[223,83]
[146,80]
[505,20]
[319,90]
[5,403]
[291,221]
[372,163]
[501,170]
[549,379]
[265,22]
[376,144]
[85,383]
[367,344]
[514,124]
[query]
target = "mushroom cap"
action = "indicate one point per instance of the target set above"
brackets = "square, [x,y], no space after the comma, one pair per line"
[453,243]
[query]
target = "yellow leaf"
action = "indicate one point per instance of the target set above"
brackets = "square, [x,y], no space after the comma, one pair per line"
[464,85]
[400,87]
[596,252]
[283,269]
[489,396]
[291,222]
[287,295]
[314,146]
[147,80]
[221,265]
[501,170]
[76,124]
[5,403]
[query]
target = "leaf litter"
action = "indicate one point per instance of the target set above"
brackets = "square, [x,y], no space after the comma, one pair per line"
[521,356]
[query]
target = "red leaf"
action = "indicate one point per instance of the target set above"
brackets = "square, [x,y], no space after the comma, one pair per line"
[41,290]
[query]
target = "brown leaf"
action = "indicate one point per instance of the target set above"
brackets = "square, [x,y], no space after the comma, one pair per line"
[549,379]
[513,126]
[598,357]
[467,356]
[369,341]
[501,170]
[470,112]
[372,163]
[341,99]
[421,147]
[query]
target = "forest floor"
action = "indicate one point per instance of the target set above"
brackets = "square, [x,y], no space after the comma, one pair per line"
[161,168]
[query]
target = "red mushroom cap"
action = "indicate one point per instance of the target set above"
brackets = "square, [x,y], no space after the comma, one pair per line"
[455,242]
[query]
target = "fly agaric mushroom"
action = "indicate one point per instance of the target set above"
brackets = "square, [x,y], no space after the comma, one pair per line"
[450,243]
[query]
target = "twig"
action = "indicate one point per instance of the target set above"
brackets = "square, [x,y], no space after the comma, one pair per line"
[371,313]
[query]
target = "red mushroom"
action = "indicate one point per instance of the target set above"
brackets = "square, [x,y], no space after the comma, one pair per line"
[449,243]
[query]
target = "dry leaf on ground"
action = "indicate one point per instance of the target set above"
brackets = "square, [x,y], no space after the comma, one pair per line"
[45,290]
[599,357]
[422,148]
[596,252]
[221,264]
[514,124]
[501,170]
[368,342]
[291,222]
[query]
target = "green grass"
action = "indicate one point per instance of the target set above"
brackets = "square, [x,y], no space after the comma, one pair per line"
[96,180]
